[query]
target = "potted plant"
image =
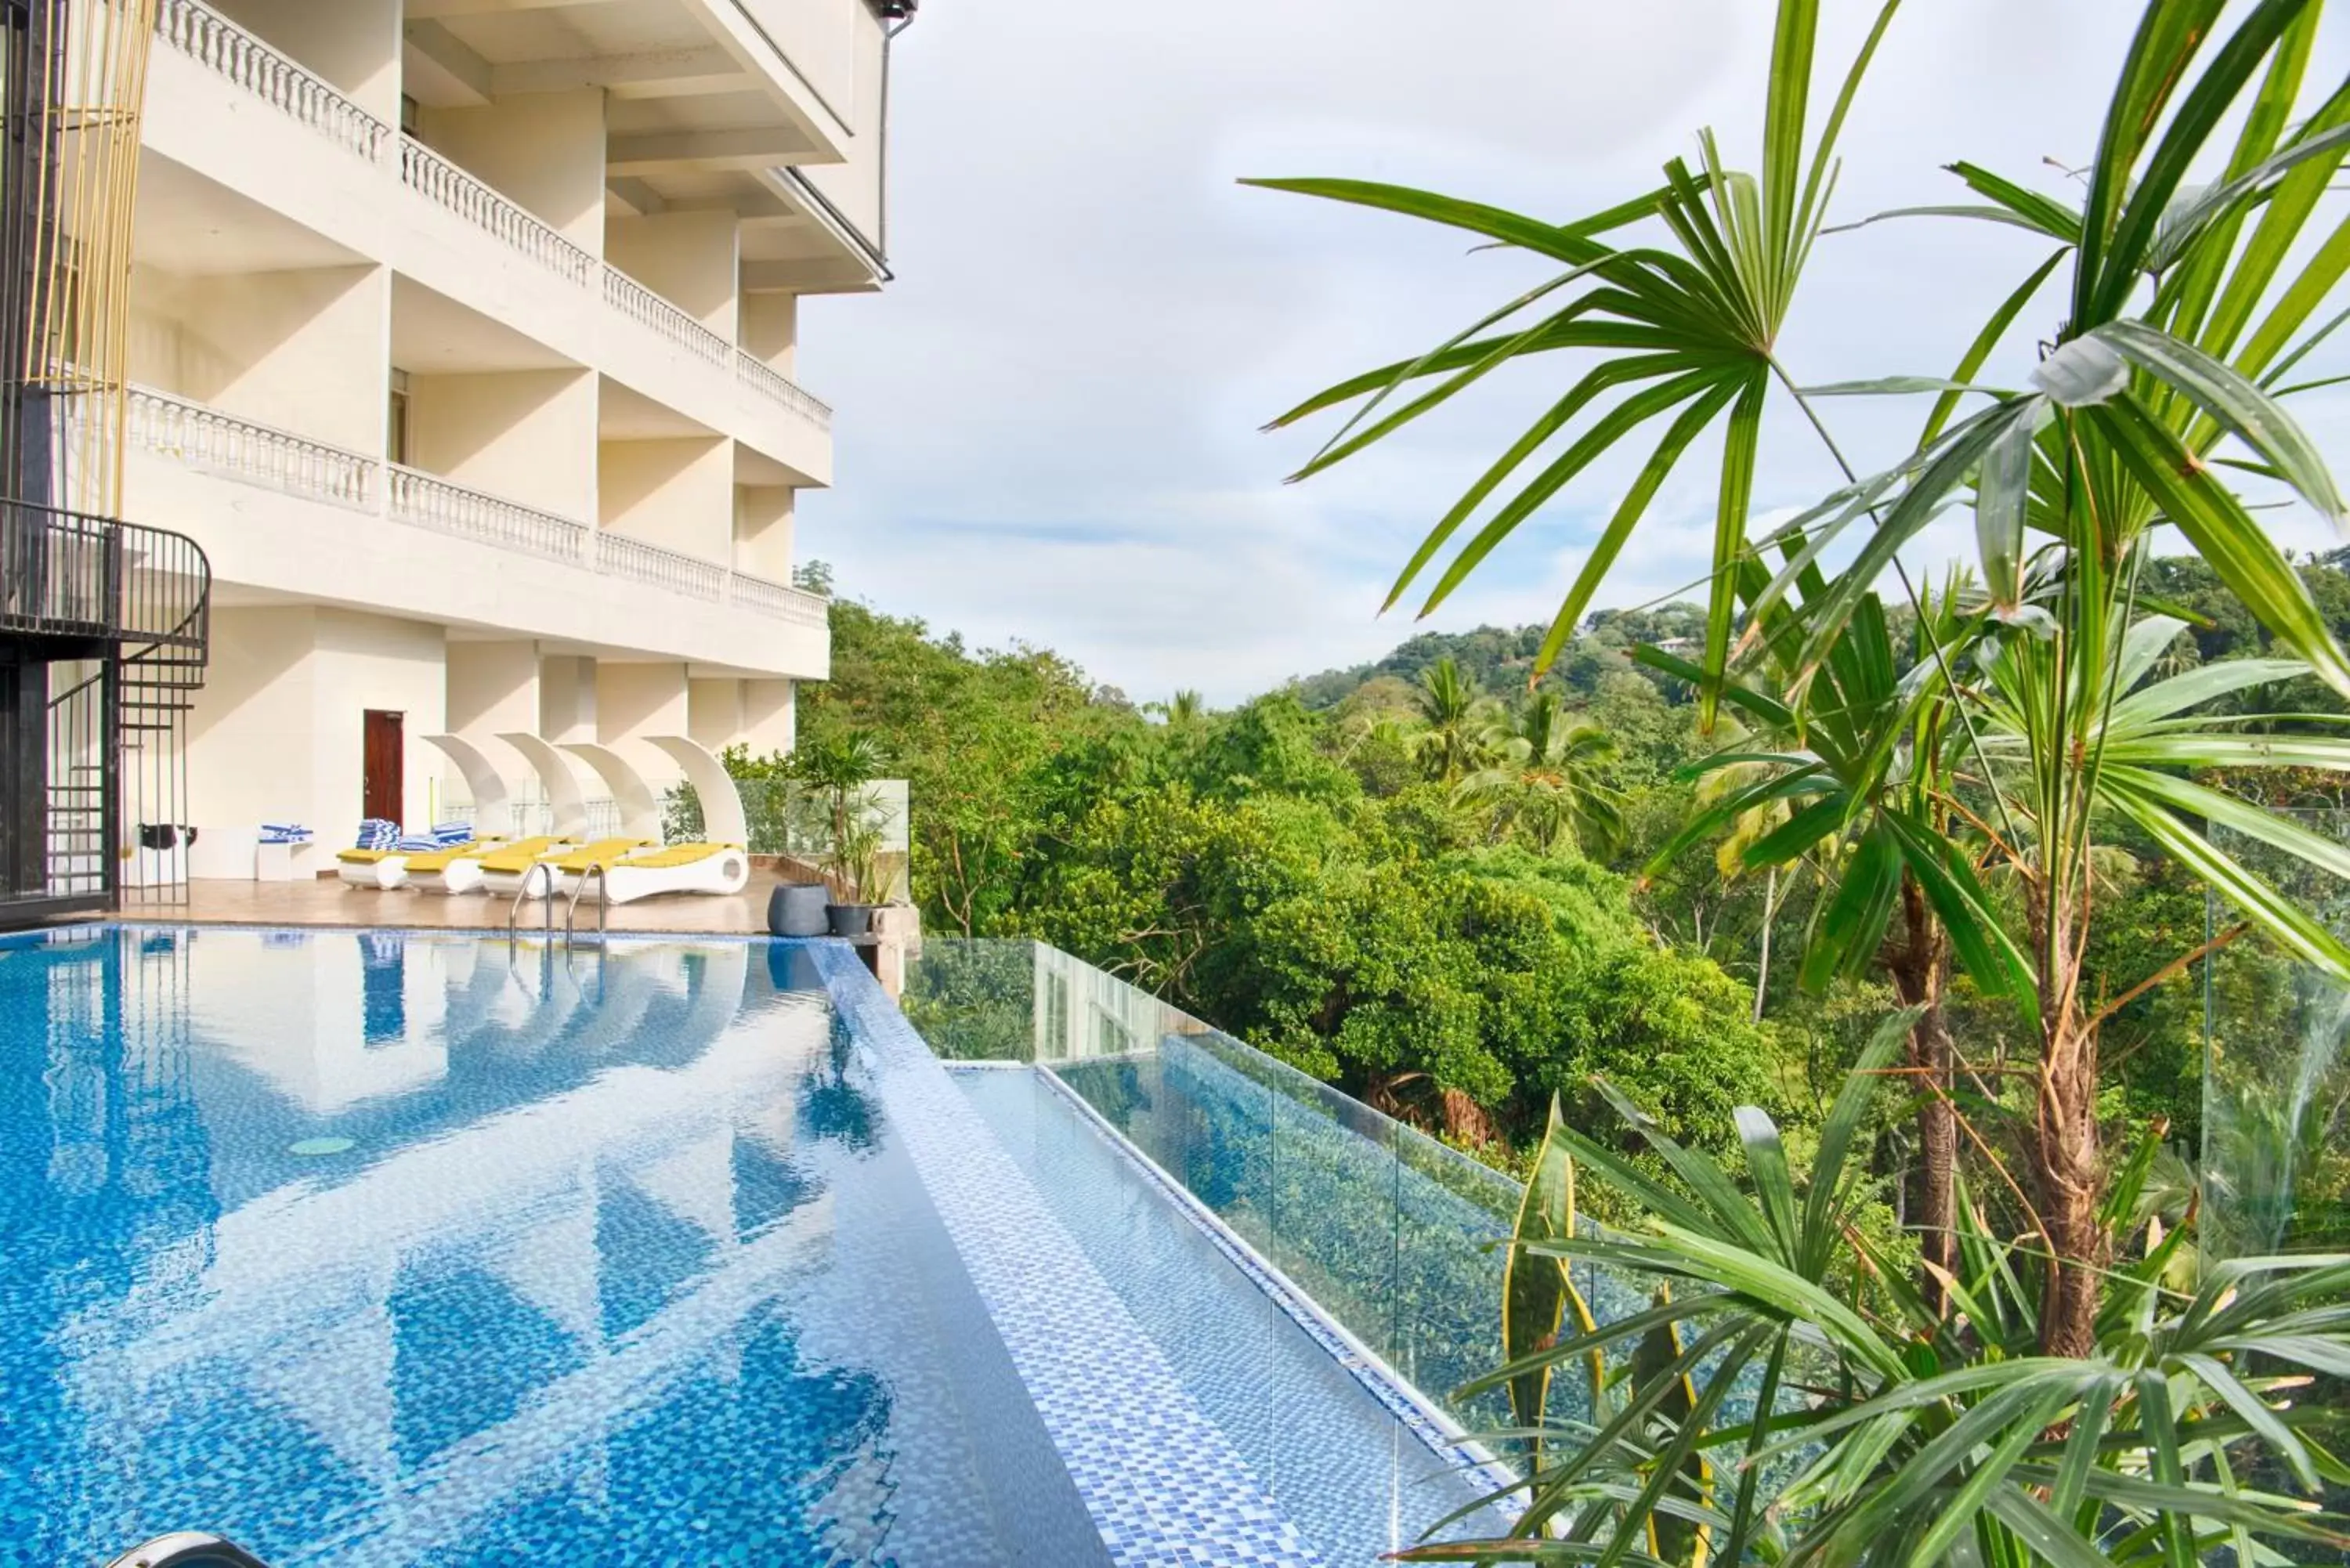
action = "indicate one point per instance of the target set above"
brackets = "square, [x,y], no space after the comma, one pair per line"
[855,867]
[839,769]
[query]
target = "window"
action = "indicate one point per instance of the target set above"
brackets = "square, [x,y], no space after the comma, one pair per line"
[395,443]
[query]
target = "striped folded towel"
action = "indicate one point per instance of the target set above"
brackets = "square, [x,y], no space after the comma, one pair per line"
[417,843]
[284,833]
[453,833]
[375,833]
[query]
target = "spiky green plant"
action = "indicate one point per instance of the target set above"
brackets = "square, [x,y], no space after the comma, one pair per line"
[1916,1435]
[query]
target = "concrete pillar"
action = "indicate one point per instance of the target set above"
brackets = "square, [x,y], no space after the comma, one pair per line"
[567,697]
[492,686]
[677,494]
[767,723]
[256,704]
[714,712]
[637,699]
[692,259]
[633,701]
[527,436]
[493,690]
[544,151]
[771,327]
[764,521]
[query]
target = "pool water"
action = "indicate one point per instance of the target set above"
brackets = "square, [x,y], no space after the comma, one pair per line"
[1363,1485]
[374,1248]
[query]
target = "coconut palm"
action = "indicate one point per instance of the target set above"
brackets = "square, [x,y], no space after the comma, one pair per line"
[1183,710]
[1454,719]
[1546,778]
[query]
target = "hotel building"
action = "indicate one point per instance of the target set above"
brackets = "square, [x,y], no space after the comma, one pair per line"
[462,339]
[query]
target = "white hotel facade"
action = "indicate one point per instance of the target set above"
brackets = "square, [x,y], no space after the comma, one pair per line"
[462,341]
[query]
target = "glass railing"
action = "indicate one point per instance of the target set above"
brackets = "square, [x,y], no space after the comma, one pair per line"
[2276,1072]
[1390,1232]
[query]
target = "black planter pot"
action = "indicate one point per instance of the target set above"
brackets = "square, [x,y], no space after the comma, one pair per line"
[850,920]
[797,909]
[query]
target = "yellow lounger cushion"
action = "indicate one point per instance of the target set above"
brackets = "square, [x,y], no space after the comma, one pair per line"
[363,857]
[674,856]
[608,850]
[522,855]
[480,850]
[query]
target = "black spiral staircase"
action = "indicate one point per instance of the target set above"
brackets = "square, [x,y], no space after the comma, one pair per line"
[103,643]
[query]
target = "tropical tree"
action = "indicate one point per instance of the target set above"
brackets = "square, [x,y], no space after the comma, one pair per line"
[1864,777]
[838,768]
[1183,710]
[2064,1407]
[1687,329]
[2171,321]
[1546,778]
[1454,720]
[1915,1436]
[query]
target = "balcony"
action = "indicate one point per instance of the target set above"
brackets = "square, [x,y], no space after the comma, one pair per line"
[612,317]
[203,439]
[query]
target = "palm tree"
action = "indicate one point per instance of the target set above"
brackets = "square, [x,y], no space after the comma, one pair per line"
[1688,331]
[1454,719]
[1905,1435]
[1186,707]
[1861,780]
[2071,1411]
[1546,778]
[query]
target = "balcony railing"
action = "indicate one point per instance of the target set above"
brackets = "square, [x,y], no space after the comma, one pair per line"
[784,603]
[437,180]
[641,304]
[219,45]
[643,563]
[208,440]
[773,385]
[238,56]
[430,501]
[205,438]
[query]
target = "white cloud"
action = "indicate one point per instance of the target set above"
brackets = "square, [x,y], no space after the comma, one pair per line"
[1049,424]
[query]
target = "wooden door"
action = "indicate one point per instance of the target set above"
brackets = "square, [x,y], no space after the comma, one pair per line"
[385,776]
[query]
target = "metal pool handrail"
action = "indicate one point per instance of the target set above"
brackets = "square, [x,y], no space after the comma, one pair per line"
[595,873]
[188,1549]
[514,910]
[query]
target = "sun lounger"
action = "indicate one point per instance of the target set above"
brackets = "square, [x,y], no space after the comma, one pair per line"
[388,869]
[714,868]
[462,868]
[509,873]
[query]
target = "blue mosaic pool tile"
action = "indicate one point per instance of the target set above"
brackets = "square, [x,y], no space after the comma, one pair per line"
[1443,1437]
[1164,1484]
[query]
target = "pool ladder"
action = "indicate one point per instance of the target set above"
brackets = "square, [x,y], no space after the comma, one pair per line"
[595,873]
[188,1549]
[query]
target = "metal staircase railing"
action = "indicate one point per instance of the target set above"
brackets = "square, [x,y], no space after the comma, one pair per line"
[122,614]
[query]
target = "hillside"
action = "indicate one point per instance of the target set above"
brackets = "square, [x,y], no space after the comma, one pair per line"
[1499,660]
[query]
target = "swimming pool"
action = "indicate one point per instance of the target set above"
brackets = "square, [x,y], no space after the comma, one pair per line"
[381,1248]
[1363,1483]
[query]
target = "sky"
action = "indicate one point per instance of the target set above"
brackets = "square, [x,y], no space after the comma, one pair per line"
[1048,425]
